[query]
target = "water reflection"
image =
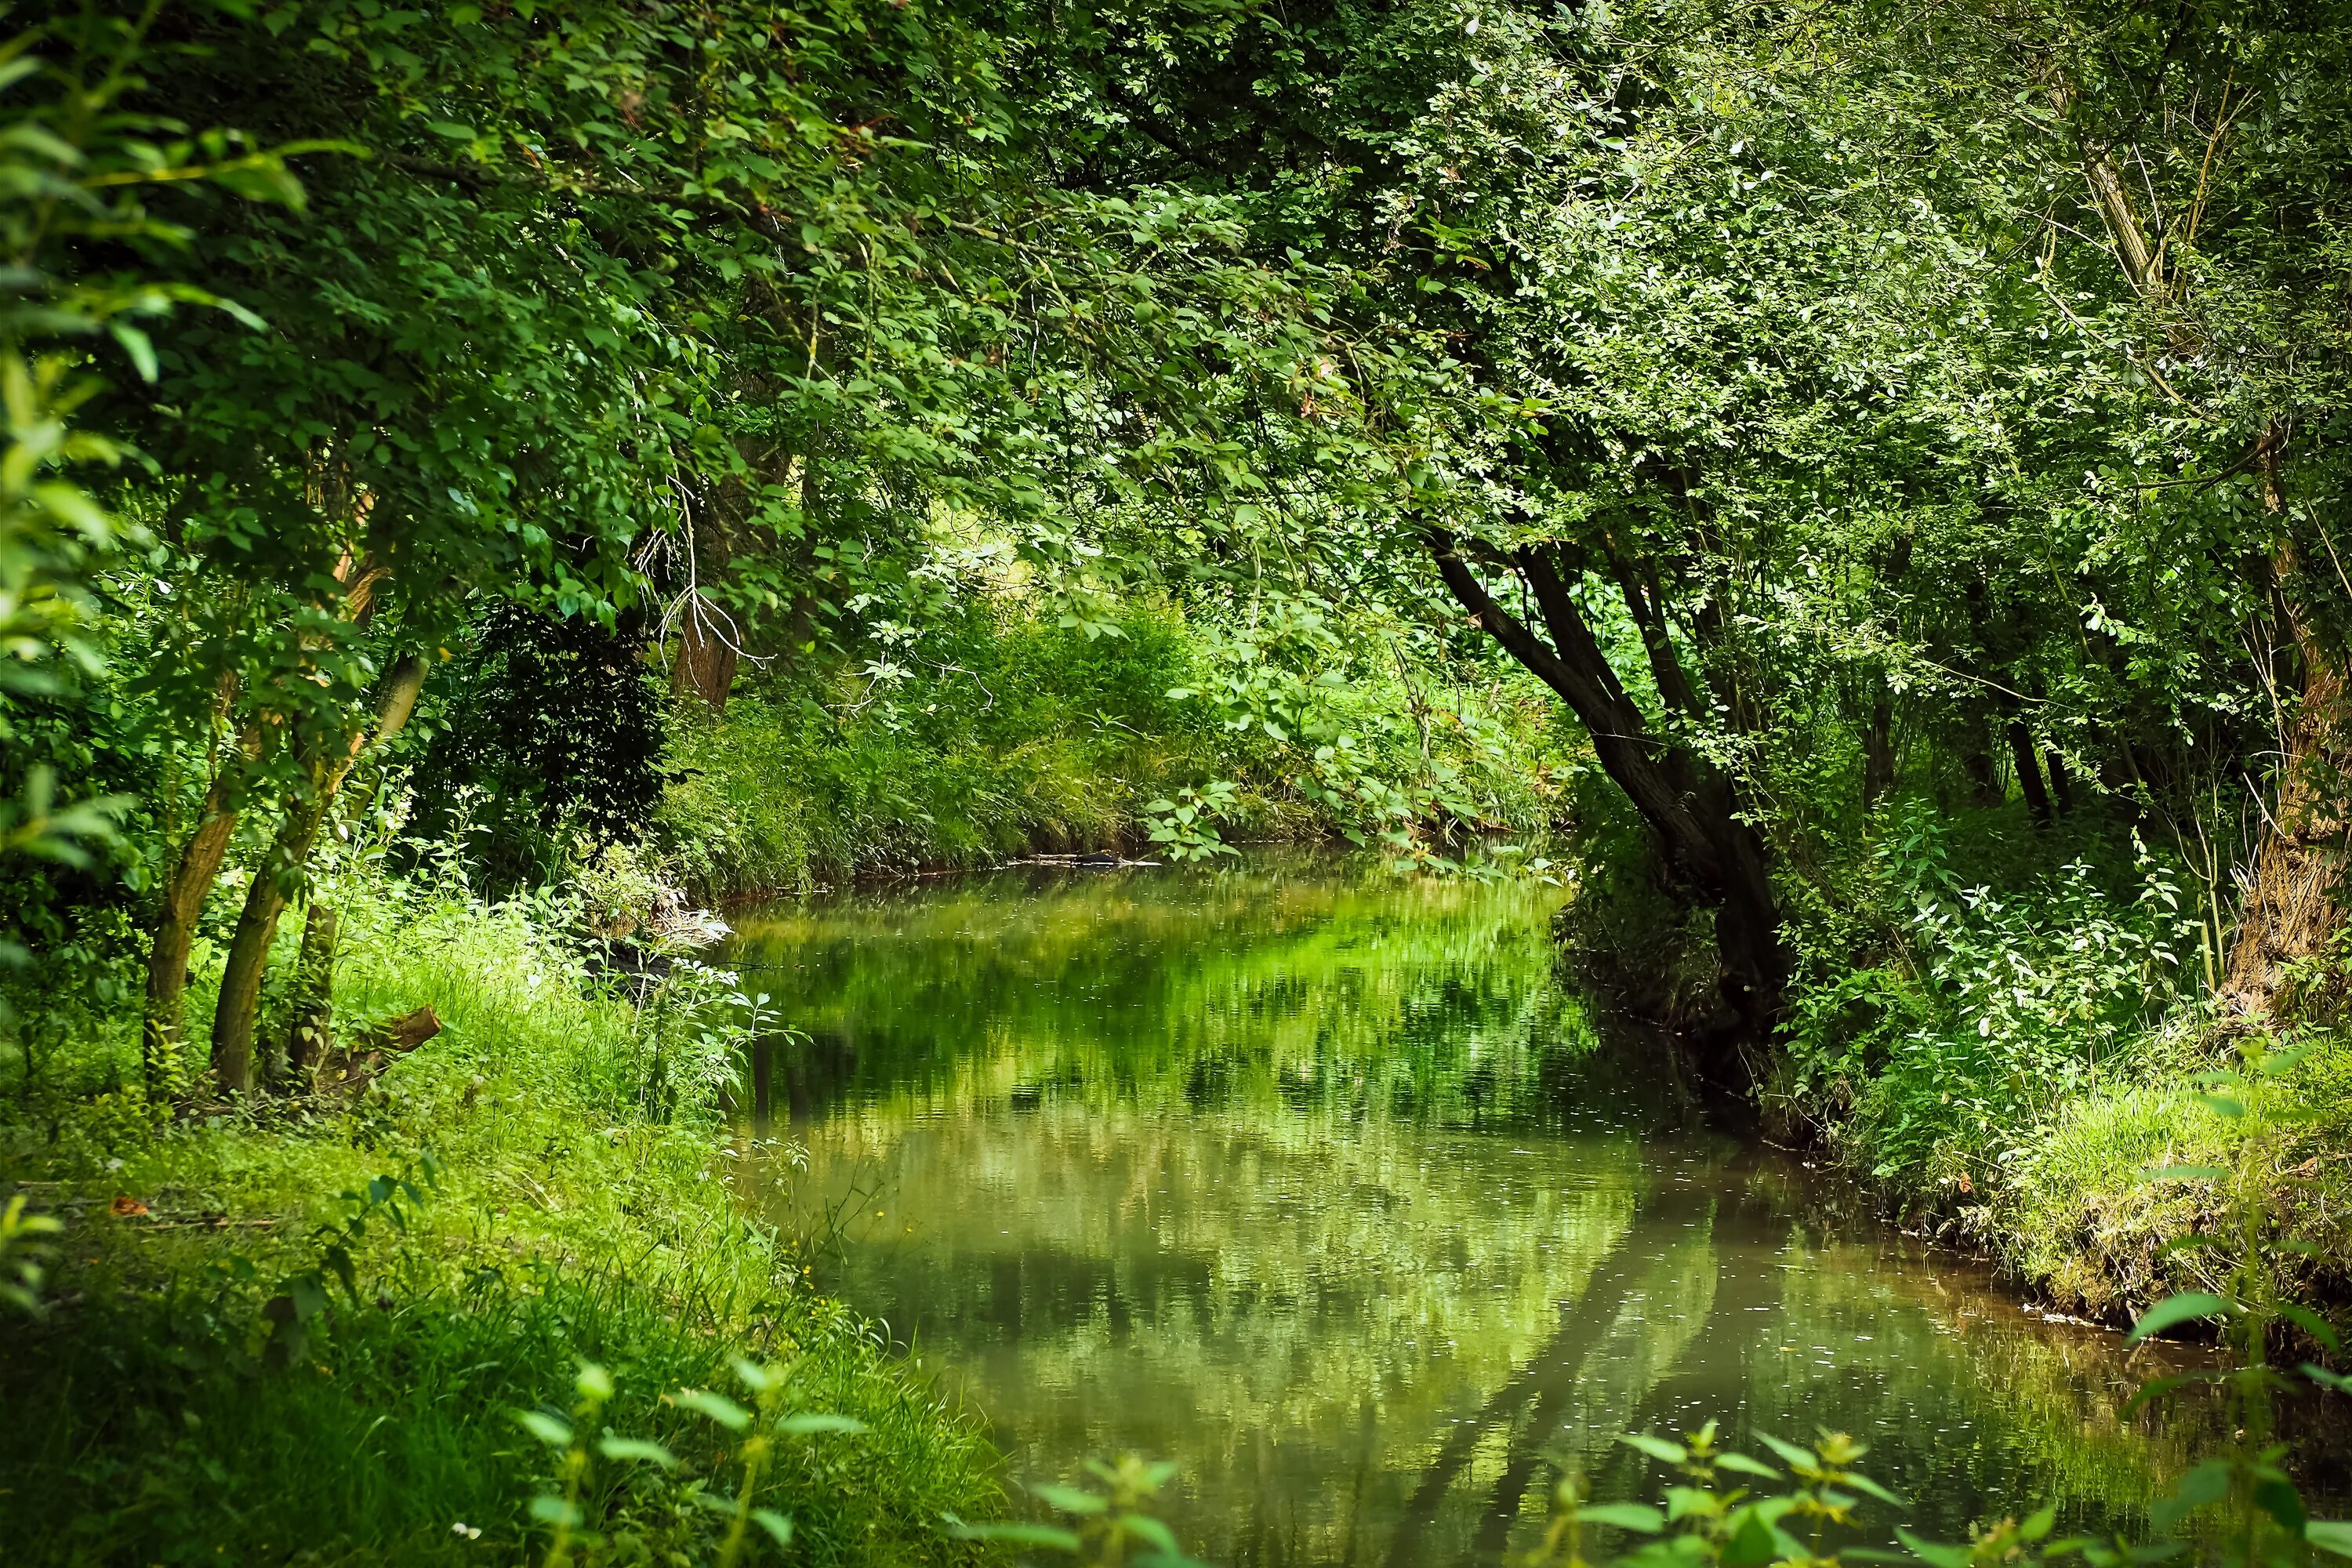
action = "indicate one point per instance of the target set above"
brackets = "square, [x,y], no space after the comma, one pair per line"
[1323,1187]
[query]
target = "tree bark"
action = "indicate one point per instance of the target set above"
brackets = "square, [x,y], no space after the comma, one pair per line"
[2061,784]
[275,879]
[310,1030]
[1693,808]
[1878,748]
[2028,772]
[705,666]
[2294,905]
[185,892]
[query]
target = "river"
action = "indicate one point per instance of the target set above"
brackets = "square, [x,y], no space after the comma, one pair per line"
[1319,1183]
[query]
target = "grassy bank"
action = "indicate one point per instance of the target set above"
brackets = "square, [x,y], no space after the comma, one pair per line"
[303,1333]
[2005,1029]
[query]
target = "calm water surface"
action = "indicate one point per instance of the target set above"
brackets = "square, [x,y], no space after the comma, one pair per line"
[1321,1185]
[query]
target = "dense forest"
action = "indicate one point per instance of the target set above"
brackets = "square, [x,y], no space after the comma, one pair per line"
[1843,492]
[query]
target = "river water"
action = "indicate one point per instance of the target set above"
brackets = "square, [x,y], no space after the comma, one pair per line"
[1319,1183]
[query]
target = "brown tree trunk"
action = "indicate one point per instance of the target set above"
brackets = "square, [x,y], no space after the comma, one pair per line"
[1878,748]
[310,1031]
[185,892]
[705,659]
[1692,807]
[2294,905]
[275,879]
[2061,784]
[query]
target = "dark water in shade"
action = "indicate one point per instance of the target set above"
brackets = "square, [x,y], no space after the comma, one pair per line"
[1321,1185]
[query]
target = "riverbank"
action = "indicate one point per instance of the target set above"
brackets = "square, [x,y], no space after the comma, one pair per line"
[1998,1028]
[302,1332]
[1043,738]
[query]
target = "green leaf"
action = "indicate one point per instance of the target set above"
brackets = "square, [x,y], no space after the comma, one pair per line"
[717,1407]
[2279,1498]
[636,1448]
[2310,1323]
[1869,1488]
[544,1427]
[137,345]
[1752,1543]
[1050,1537]
[555,1511]
[2183,1173]
[2204,1484]
[1145,1528]
[810,1421]
[1635,1516]
[2326,1379]
[779,1527]
[2188,1307]
[1790,1455]
[1936,1553]
[2330,1535]
[2039,1523]
[1745,1466]
[1661,1448]
[1069,1499]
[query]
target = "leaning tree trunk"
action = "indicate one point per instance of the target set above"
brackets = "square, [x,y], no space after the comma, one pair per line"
[184,892]
[275,879]
[1694,809]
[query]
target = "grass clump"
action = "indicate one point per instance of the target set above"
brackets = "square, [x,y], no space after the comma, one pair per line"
[297,1332]
[2080,1216]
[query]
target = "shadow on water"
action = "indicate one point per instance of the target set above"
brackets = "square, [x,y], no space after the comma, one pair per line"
[1322,1185]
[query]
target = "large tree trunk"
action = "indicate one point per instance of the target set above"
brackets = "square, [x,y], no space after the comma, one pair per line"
[185,891]
[1878,747]
[274,879]
[2294,905]
[2028,772]
[706,659]
[1691,806]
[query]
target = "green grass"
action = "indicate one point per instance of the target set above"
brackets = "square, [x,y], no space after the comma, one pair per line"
[2079,1217]
[580,1212]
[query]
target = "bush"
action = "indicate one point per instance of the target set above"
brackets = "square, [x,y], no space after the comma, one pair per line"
[1989,1009]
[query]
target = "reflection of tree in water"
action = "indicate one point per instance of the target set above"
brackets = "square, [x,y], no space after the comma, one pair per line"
[1711,1306]
[1263,1174]
[1393,997]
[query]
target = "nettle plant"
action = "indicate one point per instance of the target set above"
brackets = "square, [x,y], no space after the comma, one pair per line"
[1185,827]
[1098,1529]
[732,1489]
